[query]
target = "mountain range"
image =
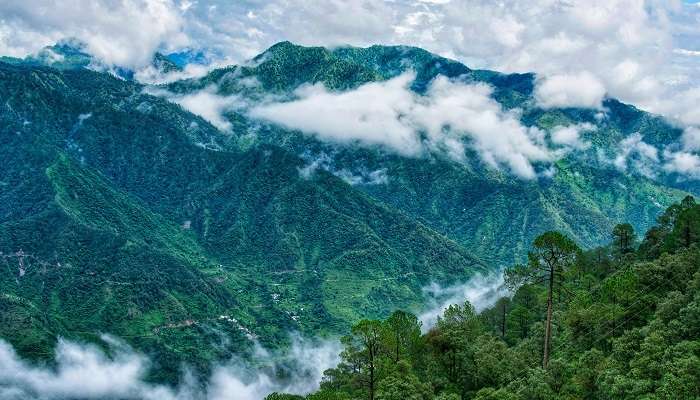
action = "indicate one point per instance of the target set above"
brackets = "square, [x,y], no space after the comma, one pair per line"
[133,210]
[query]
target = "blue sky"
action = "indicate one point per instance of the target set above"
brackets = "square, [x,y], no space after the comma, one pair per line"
[645,52]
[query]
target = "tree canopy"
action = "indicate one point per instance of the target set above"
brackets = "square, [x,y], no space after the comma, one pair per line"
[628,332]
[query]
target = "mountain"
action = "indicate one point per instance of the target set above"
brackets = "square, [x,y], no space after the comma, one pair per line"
[122,213]
[72,54]
[492,213]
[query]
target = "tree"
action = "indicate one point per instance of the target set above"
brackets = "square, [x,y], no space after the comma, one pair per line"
[402,333]
[623,238]
[552,255]
[403,385]
[496,317]
[283,396]
[363,347]
[452,342]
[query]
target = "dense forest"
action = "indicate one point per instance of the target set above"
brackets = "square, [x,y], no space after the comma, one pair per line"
[620,321]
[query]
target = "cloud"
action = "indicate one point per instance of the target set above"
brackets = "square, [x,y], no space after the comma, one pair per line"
[353,176]
[85,371]
[691,138]
[449,117]
[81,371]
[637,156]
[570,136]
[570,90]
[363,176]
[304,365]
[684,163]
[482,291]
[370,114]
[633,155]
[123,32]
[152,75]
[206,103]
[641,51]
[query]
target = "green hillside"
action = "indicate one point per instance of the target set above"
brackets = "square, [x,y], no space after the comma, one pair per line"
[122,213]
[625,325]
[491,213]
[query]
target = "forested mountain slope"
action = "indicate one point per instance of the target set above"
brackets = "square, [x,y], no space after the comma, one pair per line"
[489,211]
[625,325]
[194,235]
[116,217]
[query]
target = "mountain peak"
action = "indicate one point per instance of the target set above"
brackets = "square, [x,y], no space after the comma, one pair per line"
[290,52]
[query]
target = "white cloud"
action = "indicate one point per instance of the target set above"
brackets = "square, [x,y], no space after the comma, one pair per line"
[389,114]
[684,163]
[363,176]
[570,90]
[481,292]
[641,51]
[205,103]
[637,156]
[627,46]
[681,105]
[691,138]
[150,74]
[124,32]
[570,136]
[370,114]
[85,371]
[81,371]
[353,176]
[100,25]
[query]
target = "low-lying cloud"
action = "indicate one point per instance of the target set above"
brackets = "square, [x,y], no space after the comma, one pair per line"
[482,291]
[682,162]
[84,371]
[451,117]
[635,156]
[638,156]
[206,103]
[582,89]
[355,176]
[570,136]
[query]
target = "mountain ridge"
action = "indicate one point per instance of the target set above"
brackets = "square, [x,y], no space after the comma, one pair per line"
[511,91]
[115,218]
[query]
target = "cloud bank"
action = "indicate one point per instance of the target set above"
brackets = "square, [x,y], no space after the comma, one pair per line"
[482,291]
[86,372]
[124,32]
[570,90]
[641,51]
[450,117]
[206,103]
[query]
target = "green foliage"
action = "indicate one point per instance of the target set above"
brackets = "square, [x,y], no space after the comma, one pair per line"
[282,396]
[403,384]
[121,213]
[625,333]
[623,238]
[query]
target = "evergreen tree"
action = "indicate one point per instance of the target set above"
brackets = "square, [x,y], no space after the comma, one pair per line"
[401,334]
[623,238]
[553,253]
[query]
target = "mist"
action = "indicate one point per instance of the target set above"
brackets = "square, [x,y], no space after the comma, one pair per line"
[482,291]
[84,371]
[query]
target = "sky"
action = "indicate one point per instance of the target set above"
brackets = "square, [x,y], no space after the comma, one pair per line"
[646,52]
[643,52]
